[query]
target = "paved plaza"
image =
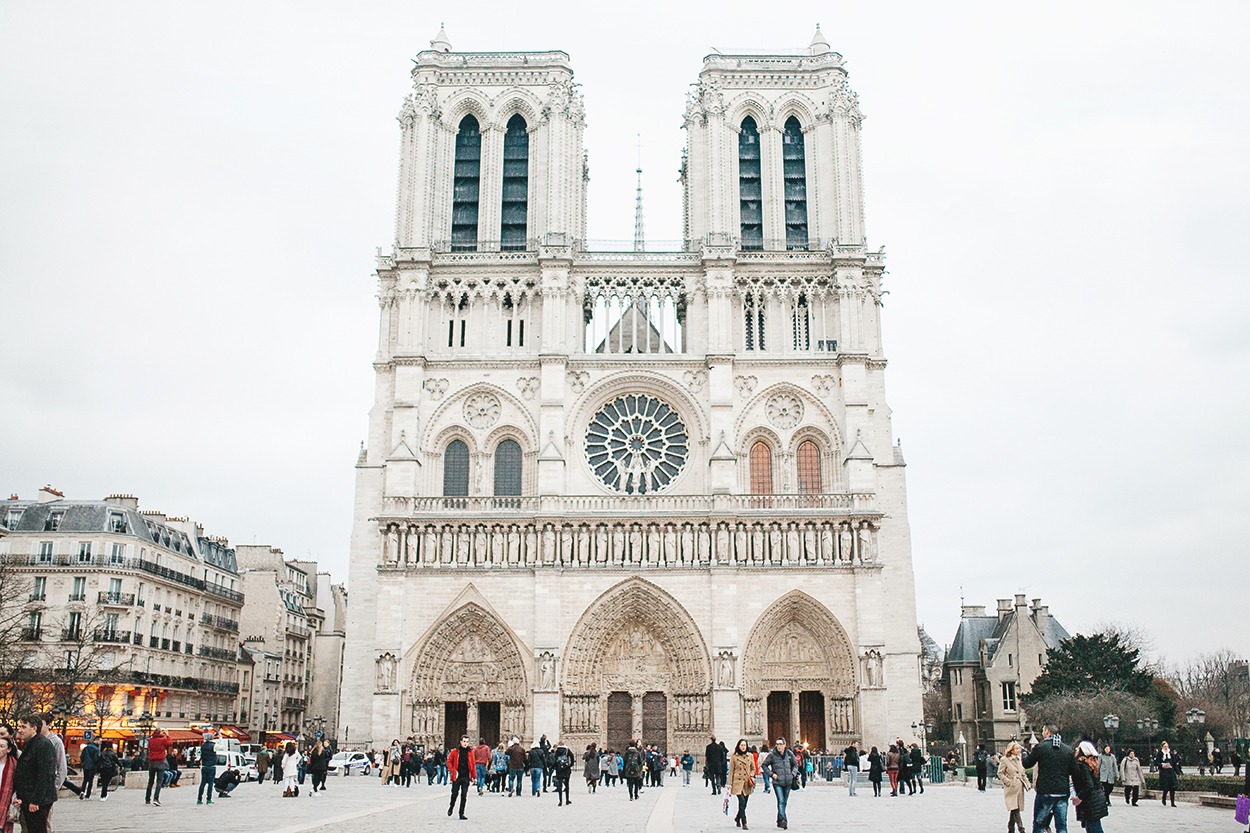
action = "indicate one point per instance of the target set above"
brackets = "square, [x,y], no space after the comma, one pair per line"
[363,803]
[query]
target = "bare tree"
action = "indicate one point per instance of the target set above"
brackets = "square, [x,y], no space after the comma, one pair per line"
[1219,684]
[15,652]
[82,660]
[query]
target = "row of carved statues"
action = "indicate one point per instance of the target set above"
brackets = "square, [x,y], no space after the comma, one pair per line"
[636,544]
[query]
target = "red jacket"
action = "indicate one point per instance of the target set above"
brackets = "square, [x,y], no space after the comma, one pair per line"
[158,747]
[453,761]
[481,754]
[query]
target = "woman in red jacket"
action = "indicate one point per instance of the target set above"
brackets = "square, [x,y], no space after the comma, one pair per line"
[8,765]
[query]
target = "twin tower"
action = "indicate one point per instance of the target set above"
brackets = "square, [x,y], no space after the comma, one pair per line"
[614,495]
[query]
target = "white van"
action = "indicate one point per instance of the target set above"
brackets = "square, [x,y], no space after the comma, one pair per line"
[235,759]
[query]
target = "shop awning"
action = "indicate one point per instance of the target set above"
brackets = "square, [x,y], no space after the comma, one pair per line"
[237,733]
[278,737]
[185,735]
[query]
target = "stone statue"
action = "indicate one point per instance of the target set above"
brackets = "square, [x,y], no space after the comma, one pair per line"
[546,671]
[386,672]
[846,543]
[792,542]
[867,543]
[670,545]
[566,545]
[725,669]
[391,549]
[722,543]
[873,668]
[826,543]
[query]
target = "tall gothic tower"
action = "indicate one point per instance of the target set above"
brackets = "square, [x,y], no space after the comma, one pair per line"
[630,494]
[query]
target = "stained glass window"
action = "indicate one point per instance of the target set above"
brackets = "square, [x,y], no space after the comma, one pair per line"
[761,469]
[808,460]
[508,468]
[456,469]
[636,444]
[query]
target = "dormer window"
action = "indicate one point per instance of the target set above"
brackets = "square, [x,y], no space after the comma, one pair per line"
[53,523]
[117,522]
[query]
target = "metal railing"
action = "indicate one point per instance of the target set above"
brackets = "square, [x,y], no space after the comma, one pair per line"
[224,592]
[32,634]
[219,622]
[217,653]
[115,599]
[118,637]
[602,506]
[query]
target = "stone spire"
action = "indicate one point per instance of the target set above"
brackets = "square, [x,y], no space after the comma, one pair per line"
[818,46]
[441,44]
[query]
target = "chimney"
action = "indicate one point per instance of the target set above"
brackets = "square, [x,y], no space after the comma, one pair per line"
[154,515]
[1004,608]
[971,610]
[47,494]
[1021,602]
[128,501]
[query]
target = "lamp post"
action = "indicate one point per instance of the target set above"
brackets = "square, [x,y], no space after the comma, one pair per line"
[1112,722]
[1148,726]
[1196,717]
[146,724]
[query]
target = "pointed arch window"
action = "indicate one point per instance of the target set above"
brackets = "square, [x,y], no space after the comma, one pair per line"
[800,320]
[465,187]
[754,307]
[508,468]
[516,175]
[456,469]
[750,193]
[808,462]
[794,175]
[761,463]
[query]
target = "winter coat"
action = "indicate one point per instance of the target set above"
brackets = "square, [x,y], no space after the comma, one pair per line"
[516,757]
[875,767]
[1055,761]
[208,755]
[6,789]
[562,760]
[1130,772]
[90,756]
[715,757]
[1107,769]
[891,760]
[633,763]
[782,767]
[590,770]
[319,762]
[34,777]
[1168,775]
[1014,780]
[741,774]
[1093,800]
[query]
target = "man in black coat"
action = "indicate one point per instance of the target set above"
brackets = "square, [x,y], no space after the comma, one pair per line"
[715,760]
[34,780]
[981,759]
[1055,762]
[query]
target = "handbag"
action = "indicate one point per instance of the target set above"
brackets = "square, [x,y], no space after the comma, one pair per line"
[1242,815]
[725,806]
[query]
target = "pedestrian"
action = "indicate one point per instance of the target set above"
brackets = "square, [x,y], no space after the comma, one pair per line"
[672,766]
[440,760]
[158,752]
[590,769]
[89,758]
[633,768]
[499,768]
[981,760]
[275,764]
[34,778]
[1217,760]
[876,767]
[1131,777]
[741,779]
[687,767]
[891,768]
[535,762]
[1015,781]
[562,763]
[850,763]
[605,767]
[1107,772]
[460,764]
[905,785]
[107,769]
[1169,767]
[1234,758]
[262,765]
[1090,800]
[545,745]
[481,763]
[290,769]
[208,768]
[783,768]
[227,781]
[516,767]
[394,755]
[8,767]
[712,758]
[319,767]
[1054,762]
[917,768]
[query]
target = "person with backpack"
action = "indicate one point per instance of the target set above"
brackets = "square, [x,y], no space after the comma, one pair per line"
[850,763]
[107,768]
[89,758]
[562,764]
[208,768]
[633,770]
[782,767]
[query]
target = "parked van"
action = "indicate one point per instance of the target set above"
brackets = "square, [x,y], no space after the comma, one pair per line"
[235,759]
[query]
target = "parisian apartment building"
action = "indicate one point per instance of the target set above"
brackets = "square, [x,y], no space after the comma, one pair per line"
[128,618]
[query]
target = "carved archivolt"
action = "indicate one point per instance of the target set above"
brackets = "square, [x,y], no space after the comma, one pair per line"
[797,644]
[636,637]
[469,655]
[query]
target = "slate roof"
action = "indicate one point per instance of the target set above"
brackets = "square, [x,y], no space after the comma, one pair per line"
[973,629]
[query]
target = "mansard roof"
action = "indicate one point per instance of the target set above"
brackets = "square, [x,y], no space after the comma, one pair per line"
[97,516]
[973,630]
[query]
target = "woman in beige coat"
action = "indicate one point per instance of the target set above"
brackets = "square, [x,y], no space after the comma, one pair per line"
[741,779]
[1015,781]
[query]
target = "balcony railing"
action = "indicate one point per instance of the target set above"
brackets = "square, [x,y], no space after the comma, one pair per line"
[39,597]
[32,634]
[217,653]
[603,506]
[115,599]
[138,638]
[77,597]
[118,637]
[172,575]
[296,630]
[71,634]
[224,592]
[293,704]
[219,622]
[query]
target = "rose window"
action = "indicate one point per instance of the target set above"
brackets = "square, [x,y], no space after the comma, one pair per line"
[636,444]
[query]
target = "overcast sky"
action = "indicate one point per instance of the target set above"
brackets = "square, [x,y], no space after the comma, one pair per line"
[191,194]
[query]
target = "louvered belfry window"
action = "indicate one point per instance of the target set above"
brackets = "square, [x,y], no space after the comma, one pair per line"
[516,175]
[750,193]
[794,174]
[456,469]
[465,188]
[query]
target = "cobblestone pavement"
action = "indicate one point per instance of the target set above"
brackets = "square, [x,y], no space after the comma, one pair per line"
[363,803]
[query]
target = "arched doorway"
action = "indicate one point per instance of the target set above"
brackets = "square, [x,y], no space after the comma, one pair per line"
[468,677]
[799,676]
[636,668]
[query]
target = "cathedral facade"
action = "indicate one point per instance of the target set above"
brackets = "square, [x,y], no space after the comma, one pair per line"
[612,495]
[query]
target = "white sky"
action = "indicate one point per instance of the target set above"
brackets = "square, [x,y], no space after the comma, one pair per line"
[191,194]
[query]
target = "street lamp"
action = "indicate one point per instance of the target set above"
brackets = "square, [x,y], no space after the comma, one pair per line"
[1112,723]
[1196,717]
[1148,726]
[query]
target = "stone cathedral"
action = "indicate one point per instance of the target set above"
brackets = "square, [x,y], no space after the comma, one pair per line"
[630,494]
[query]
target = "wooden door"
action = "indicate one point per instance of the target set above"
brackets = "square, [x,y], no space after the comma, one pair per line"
[488,723]
[620,720]
[655,719]
[779,716]
[811,719]
[455,723]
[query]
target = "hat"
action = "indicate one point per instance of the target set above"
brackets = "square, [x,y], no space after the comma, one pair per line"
[1087,749]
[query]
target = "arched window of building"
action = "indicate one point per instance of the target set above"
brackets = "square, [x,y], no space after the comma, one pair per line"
[750,193]
[753,316]
[808,462]
[508,468]
[761,468]
[516,176]
[794,175]
[467,177]
[456,469]
[801,324]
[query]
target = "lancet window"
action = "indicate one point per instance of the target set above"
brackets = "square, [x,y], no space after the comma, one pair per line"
[754,315]
[456,469]
[634,315]
[761,464]
[794,175]
[508,469]
[808,463]
[466,186]
[750,193]
[516,171]
[802,311]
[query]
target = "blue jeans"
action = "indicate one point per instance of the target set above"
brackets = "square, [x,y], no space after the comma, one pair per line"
[536,780]
[1044,806]
[852,777]
[206,781]
[442,773]
[516,777]
[783,795]
[766,781]
[481,776]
